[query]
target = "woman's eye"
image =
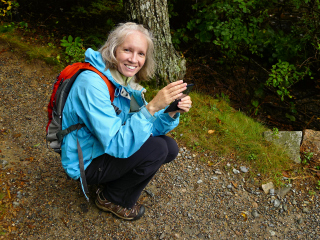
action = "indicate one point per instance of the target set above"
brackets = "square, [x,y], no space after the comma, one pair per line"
[126,50]
[141,54]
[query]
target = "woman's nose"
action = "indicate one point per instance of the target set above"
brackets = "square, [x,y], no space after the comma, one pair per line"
[133,58]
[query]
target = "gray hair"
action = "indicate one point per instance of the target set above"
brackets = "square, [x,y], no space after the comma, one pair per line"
[117,37]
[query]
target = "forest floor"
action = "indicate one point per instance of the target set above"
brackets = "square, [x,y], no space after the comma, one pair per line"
[186,199]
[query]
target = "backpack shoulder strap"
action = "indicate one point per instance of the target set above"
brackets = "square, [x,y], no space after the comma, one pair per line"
[111,87]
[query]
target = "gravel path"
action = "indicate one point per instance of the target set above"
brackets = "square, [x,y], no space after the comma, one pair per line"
[186,199]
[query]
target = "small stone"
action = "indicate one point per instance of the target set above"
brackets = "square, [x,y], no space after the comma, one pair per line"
[271,191]
[228,165]
[255,213]
[214,178]
[266,187]
[294,202]
[217,172]
[282,191]
[162,236]
[272,233]
[285,207]
[244,169]
[255,205]
[15,204]
[199,181]
[4,163]
[229,186]
[19,194]
[299,220]
[305,210]
[235,171]
[150,193]
[276,203]
[229,194]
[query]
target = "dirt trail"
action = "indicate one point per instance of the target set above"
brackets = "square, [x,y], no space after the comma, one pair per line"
[186,200]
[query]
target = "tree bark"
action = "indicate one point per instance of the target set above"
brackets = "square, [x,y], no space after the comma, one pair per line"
[154,15]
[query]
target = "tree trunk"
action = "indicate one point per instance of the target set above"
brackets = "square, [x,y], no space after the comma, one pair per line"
[154,15]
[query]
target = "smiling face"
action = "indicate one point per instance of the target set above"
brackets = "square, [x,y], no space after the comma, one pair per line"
[131,54]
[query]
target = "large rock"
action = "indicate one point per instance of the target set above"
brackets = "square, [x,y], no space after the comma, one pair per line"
[290,140]
[311,142]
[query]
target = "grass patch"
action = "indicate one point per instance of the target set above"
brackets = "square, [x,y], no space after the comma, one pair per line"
[29,46]
[212,125]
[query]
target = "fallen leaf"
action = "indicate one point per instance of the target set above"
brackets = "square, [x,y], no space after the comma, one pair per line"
[9,195]
[285,174]
[245,216]
[210,163]
[218,120]
[234,184]
[17,135]
[211,131]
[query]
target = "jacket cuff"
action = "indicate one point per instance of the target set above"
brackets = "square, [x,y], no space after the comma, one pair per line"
[169,118]
[147,114]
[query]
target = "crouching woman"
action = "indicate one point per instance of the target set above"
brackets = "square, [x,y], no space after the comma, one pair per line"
[124,141]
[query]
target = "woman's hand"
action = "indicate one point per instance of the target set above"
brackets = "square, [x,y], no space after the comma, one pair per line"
[185,105]
[167,95]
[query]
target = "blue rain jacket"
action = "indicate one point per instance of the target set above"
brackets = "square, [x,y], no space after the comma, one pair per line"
[105,131]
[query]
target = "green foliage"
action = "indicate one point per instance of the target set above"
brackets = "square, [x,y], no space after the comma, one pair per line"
[8,27]
[252,157]
[283,75]
[233,25]
[6,8]
[275,132]
[281,36]
[74,50]
[307,156]
[255,104]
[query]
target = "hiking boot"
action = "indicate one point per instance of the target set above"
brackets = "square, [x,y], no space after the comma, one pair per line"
[133,213]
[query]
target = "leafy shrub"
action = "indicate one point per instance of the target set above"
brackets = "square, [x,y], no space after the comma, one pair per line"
[74,49]
[6,7]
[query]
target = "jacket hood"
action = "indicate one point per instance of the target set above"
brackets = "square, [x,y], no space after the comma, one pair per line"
[95,59]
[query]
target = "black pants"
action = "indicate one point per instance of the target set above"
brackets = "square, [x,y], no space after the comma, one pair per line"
[125,178]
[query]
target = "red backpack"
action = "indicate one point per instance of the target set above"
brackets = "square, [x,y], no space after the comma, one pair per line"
[61,89]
